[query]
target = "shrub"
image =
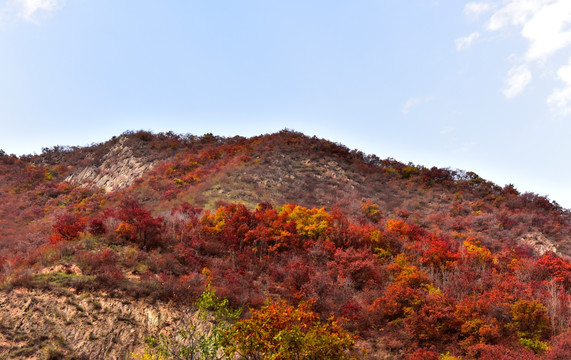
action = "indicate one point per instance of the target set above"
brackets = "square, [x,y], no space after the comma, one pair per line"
[68,227]
[280,331]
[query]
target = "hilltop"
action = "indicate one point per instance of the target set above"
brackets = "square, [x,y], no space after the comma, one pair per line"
[287,167]
[418,260]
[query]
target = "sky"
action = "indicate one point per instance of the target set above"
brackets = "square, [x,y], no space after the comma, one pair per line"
[482,86]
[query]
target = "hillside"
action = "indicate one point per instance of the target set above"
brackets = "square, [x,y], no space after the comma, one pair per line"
[419,262]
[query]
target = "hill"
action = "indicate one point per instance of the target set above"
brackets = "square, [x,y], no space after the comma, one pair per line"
[419,261]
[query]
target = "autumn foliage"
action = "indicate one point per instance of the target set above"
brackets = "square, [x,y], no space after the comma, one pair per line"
[281,331]
[67,227]
[422,292]
[394,259]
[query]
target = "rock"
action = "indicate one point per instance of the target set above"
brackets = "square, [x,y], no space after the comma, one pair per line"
[119,169]
[85,326]
[538,242]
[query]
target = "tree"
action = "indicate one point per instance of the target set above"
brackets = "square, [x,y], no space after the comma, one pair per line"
[310,223]
[531,323]
[202,338]
[554,267]
[371,211]
[434,323]
[280,331]
[138,225]
[68,227]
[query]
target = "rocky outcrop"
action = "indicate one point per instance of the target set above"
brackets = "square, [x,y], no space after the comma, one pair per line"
[37,325]
[119,169]
[538,242]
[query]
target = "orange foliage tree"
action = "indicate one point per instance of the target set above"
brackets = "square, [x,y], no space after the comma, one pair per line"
[280,331]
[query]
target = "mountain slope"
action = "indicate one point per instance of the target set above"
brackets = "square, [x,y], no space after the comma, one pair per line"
[287,167]
[413,258]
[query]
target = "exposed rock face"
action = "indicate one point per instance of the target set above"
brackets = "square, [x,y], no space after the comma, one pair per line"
[119,169]
[34,324]
[538,242]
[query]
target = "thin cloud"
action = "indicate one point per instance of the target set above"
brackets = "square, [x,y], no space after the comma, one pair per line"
[475,9]
[466,147]
[413,103]
[518,78]
[410,104]
[560,99]
[29,10]
[446,131]
[465,42]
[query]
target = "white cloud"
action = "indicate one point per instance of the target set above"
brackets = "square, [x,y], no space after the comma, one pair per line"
[465,42]
[546,31]
[515,12]
[560,99]
[475,9]
[544,24]
[29,10]
[518,78]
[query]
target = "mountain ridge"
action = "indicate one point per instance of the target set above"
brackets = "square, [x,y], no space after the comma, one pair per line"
[283,167]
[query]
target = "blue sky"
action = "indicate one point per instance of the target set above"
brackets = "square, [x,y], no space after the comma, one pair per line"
[483,86]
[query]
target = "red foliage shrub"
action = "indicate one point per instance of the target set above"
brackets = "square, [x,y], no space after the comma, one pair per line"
[183,222]
[68,227]
[551,266]
[361,266]
[104,265]
[138,225]
[189,257]
[184,289]
[96,227]
[498,352]
[165,263]
[397,302]
[97,262]
[435,323]
[561,349]
[424,354]
[356,317]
